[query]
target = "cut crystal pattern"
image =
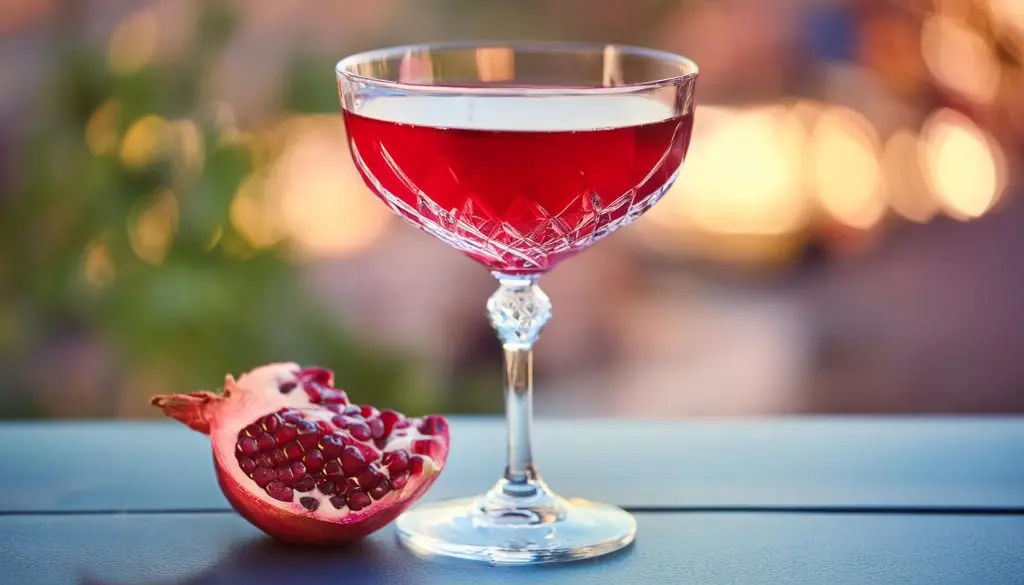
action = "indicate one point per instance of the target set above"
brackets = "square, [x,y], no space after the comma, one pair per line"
[518,310]
[506,245]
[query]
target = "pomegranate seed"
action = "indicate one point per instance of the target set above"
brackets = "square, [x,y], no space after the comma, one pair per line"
[314,461]
[422,447]
[247,465]
[305,484]
[380,490]
[263,476]
[433,425]
[367,479]
[415,465]
[331,396]
[286,476]
[309,503]
[338,502]
[279,491]
[285,434]
[253,430]
[360,431]
[396,461]
[403,424]
[325,427]
[399,480]
[348,486]
[313,391]
[368,411]
[344,421]
[248,446]
[271,422]
[265,460]
[326,487]
[334,471]
[352,461]
[376,427]
[266,442]
[389,418]
[308,433]
[335,408]
[369,453]
[317,374]
[332,446]
[286,387]
[357,501]
[290,415]
[293,451]
[353,410]
[279,457]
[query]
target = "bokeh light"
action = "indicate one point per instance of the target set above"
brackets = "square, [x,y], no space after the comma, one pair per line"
[844,167]
[255,215]
[326,209]
[965,168]
[98,268]
[145,139]
[1008,18]
[132,45]
[907,190]
[152,228]
[101,129]
[959,58]
[189,149]
[742,175]
[495,64]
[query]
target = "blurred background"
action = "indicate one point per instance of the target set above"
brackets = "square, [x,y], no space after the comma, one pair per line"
[177,202]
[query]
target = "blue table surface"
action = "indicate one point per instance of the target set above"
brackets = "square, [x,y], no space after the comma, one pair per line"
[801,500]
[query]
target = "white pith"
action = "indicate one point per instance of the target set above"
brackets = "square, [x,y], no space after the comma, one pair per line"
[257,393]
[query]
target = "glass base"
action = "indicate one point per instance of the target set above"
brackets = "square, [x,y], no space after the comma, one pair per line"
[482,529]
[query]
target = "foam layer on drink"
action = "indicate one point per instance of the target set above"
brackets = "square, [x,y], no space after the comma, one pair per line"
[514,113]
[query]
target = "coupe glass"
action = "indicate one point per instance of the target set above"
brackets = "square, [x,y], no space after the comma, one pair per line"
[519,155]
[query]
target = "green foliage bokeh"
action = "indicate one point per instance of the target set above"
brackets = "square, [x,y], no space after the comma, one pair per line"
[214,304]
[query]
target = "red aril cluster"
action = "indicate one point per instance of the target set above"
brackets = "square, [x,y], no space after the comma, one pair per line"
[342,460]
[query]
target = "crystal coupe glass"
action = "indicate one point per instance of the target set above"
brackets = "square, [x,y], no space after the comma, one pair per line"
[519,155]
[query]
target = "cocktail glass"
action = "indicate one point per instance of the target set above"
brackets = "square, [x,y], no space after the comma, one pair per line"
[519,155]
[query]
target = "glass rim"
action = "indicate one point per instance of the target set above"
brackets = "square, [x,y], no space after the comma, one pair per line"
[689,69]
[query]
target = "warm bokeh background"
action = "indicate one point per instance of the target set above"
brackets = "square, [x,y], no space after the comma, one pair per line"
[177,202]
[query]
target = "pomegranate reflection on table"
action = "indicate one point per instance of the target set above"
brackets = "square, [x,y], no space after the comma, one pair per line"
[518,184]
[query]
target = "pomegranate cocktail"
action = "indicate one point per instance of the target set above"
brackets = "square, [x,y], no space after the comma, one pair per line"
[517,183]
[519,155]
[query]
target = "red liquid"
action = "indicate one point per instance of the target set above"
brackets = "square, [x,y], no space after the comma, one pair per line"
[518,201]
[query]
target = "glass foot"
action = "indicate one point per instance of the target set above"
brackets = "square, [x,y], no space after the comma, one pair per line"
[473,529]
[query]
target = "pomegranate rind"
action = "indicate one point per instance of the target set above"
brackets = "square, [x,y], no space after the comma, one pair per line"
[288,525]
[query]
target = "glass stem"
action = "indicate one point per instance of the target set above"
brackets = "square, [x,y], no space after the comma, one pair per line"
[519,414]
[518,311]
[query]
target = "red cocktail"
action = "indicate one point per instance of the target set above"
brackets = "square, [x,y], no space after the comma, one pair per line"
[518,183]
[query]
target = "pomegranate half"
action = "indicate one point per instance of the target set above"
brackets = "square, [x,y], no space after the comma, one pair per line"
[300,462]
